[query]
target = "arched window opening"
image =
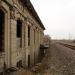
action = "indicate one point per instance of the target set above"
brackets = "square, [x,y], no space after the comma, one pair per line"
[1,30]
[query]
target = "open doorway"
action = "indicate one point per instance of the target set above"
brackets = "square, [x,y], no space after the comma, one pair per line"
[19,64]
[2,15]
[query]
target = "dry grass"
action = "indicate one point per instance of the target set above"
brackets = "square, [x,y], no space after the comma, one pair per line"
[24,72]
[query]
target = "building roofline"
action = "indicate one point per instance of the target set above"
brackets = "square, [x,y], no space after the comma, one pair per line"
[31,9]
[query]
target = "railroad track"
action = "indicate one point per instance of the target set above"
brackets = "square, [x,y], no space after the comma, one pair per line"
[68,45]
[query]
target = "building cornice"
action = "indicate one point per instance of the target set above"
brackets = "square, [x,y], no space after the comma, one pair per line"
[31,9]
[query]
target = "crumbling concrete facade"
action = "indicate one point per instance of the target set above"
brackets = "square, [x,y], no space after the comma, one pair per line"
[21,33]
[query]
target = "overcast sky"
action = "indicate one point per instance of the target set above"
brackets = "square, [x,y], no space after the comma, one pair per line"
[58,16]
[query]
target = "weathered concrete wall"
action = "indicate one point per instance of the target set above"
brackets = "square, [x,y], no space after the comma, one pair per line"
[6,55]
[13,53]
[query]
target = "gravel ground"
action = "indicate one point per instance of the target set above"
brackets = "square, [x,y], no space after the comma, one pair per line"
[59,60]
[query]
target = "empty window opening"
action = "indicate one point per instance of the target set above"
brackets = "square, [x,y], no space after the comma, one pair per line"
[1,30]
[19,33]
[19,29]
[28,35]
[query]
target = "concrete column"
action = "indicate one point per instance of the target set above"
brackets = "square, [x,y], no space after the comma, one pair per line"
[7,39]
[36,46]
[32,46]
[26,45]
[23,35]
[13,46]
[23,46]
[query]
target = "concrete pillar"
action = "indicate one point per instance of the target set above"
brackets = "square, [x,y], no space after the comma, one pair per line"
[23,41]
[23,35]
[7,39]
[13,41]
[26,45]
[32,45]
[36,46]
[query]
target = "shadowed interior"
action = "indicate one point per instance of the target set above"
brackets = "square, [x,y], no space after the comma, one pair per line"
[1,30]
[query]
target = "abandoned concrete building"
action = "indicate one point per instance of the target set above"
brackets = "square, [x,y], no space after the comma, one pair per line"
[21,33]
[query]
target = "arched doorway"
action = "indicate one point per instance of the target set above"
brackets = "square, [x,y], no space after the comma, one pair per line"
[2,16]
